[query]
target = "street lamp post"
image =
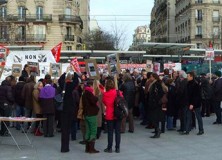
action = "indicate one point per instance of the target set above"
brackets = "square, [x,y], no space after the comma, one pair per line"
[25,9]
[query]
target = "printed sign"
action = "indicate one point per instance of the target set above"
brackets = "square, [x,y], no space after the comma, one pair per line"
[91,68]
[16,70]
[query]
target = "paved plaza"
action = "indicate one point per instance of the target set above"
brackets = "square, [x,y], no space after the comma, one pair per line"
[136,146]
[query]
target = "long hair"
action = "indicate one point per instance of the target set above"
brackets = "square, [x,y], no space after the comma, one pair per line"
[109,84]
[96,87]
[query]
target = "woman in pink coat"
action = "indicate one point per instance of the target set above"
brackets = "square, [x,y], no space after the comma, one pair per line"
[112,122]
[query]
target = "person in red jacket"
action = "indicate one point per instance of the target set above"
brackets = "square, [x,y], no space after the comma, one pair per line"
[112,123]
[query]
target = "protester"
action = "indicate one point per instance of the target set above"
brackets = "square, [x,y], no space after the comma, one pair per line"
[6,101]
[19,100]
[217,85]
[70,103]
[112,122]
[27,96]
[37,111]
[128,88]
[26,72]
[90,110]
[155,108]
[98,92]
[46,98]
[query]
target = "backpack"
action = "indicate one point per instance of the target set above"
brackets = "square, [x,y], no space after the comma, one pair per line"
[120,107]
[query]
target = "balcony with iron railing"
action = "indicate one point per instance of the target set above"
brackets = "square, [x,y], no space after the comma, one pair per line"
[199,19]
[198,36]
[27,18]
[70,19]
[4,38]
[30,38]
[69,38]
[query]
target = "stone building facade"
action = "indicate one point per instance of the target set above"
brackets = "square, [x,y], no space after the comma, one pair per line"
[162,23]
[199,22]
[43,22]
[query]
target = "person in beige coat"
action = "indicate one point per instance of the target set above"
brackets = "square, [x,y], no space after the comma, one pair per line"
[36,107]
[98,92]
[80,116]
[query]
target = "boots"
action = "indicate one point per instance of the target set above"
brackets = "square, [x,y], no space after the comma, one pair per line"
[157,134]
[38,132]
[87,147]
[92,147]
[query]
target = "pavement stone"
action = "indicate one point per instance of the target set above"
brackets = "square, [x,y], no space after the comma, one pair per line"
[134,146]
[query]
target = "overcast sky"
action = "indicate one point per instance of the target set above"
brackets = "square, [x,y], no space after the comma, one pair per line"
[110,13]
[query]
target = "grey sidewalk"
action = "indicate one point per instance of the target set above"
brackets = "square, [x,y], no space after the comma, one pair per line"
[171,146]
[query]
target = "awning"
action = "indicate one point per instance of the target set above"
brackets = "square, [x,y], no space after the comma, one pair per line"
[153,45]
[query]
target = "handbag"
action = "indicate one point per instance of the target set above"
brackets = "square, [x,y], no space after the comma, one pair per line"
[58,100]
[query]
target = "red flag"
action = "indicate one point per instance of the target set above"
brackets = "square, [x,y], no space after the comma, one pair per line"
[75,64]
[56,52]
[3,54]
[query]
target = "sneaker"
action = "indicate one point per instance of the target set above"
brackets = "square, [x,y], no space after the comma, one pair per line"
[184,133]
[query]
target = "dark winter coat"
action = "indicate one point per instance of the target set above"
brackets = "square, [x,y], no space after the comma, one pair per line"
[129,92]
[205,88]
[46,99]
[142,91]
[182,98]
[6,95]
[89,102]
[171,104]
[19,100]
[217,88]
[155,113]
[27,94]
[193,92]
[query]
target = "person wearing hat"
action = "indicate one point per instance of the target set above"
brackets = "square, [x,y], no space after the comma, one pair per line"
[217,98]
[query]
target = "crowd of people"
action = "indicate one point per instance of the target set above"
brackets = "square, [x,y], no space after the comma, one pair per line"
[88,104]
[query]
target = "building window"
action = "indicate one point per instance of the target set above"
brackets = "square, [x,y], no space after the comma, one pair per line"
[69,48]
[216,1]
[199,15]
[199,1]
[68,13]
[3,12]
[21,13]
[216,16]
[199,30]
[3,33]
[21,33]
[215,31]
[39,13]
[199,45]
[39,32]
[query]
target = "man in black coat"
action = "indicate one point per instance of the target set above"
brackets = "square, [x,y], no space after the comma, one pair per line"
[70,82]
[194,104]
[217,96]
[6,100]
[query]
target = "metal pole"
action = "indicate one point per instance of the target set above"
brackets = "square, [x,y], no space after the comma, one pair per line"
[210,69]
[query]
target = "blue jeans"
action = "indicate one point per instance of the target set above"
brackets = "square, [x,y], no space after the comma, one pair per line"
[73,129]
[111,125]
[169,122]
[199,118]
[20,111]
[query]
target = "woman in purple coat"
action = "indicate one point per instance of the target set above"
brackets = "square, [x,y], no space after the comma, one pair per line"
[46,97]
